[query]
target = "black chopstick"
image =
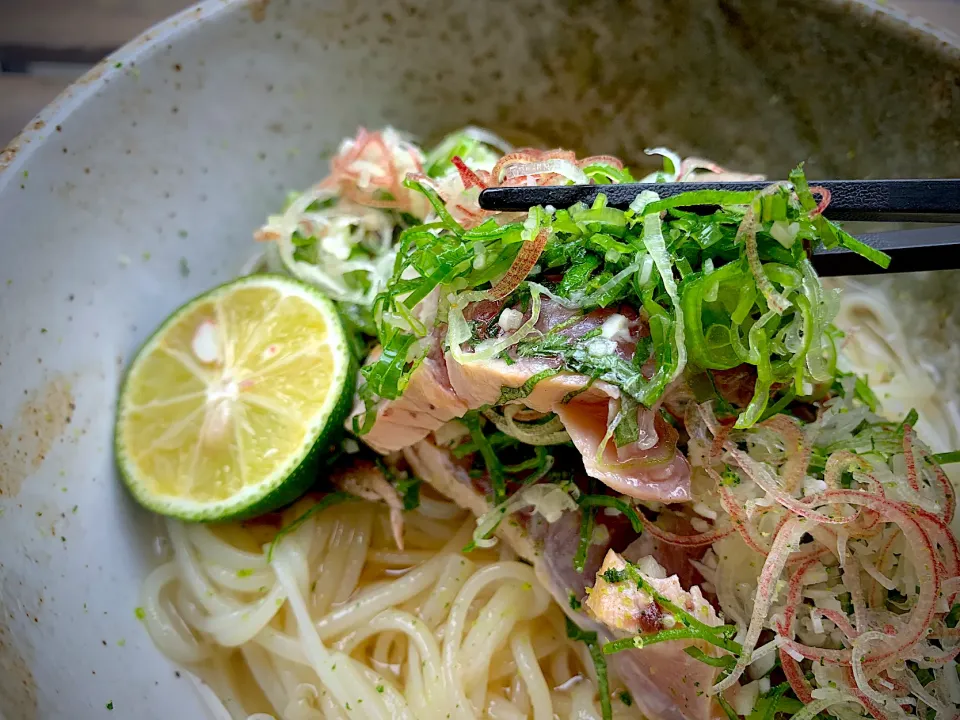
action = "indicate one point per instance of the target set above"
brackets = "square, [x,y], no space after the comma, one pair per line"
[869,200]
[909,251]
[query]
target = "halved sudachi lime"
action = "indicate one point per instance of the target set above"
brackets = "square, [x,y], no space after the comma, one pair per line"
[225,409]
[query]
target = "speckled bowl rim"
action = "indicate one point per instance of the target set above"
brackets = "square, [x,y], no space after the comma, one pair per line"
[905,26]
[50,120]
[898,23]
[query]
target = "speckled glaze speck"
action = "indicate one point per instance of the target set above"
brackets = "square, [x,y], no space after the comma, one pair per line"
[166,156]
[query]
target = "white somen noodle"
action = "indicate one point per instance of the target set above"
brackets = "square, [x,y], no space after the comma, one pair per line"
[340,624]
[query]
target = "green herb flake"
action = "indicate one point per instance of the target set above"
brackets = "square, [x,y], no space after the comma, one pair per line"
[924,675]
[730,478]
[953,617]
[409,490]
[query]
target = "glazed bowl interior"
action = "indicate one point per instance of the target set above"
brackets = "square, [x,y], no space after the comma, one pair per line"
[141,185]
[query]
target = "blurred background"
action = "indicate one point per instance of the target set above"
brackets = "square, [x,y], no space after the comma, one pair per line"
[46,44]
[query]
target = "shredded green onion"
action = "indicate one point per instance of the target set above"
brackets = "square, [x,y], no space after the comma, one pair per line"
[701,197]
[773,702]
[592,501]
[642,641]
[328,501]
[947,458]
[726,707]
[910,419]
[586,533]
[724,661]
[409,490]
[494,467]
[599,664]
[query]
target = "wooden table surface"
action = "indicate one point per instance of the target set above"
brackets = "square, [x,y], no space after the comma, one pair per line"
[45,44]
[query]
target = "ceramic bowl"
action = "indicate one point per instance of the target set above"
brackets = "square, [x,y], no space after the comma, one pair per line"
[140,185]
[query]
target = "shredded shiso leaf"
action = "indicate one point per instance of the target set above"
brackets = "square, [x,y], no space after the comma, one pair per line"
[719,290]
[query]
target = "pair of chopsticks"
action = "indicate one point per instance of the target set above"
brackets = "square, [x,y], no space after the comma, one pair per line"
[893,201]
